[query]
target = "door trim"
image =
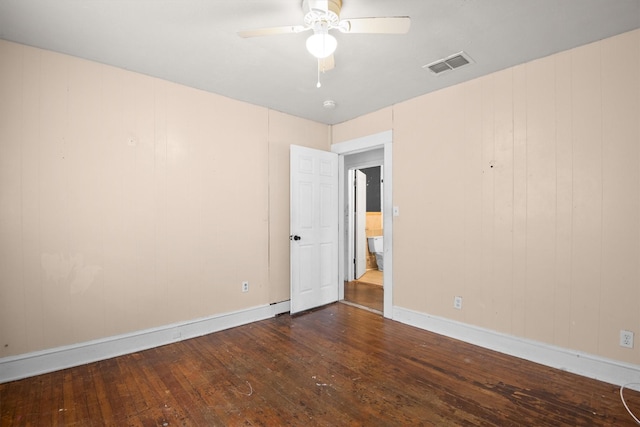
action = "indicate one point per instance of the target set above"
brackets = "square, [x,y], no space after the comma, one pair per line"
[359,223]
[349,268]
[380,140]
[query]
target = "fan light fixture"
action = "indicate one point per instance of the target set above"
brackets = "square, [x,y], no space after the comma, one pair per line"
[321,44]
[322,16]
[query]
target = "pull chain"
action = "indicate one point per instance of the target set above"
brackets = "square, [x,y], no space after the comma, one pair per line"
[318,85]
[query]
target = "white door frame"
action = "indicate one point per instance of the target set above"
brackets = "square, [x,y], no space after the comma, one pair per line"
[349,216]
[359,223]
[380,140]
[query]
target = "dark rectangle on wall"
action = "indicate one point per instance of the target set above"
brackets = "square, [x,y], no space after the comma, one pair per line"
[374,203]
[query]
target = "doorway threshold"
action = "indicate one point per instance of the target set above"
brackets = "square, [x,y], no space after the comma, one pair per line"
[353,304]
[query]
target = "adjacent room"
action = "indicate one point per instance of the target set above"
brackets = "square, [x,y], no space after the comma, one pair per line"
[319,212]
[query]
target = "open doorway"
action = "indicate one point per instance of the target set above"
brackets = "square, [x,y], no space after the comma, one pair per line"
[365,288]
[360,153]
[364,283]
[369,236]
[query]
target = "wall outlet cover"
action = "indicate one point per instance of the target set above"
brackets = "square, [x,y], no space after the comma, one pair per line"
[626,339]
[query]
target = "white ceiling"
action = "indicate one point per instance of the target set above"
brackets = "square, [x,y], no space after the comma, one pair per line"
[194,43]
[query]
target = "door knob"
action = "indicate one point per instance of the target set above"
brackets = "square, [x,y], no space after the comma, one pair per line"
[296,237]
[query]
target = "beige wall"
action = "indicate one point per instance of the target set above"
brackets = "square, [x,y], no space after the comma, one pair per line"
[529,179]
[376,122]
[127,202]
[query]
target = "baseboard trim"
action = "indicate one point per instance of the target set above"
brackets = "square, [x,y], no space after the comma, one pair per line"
[41,362]
[587,365]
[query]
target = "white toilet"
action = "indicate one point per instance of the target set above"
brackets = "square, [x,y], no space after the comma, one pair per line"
[376,247]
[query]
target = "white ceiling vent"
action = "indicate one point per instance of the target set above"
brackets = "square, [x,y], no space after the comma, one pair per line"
[449,63]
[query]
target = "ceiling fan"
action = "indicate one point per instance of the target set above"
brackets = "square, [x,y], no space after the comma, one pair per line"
[321,16]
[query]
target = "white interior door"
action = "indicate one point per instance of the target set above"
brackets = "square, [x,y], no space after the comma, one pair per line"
[361,222]
[314,228]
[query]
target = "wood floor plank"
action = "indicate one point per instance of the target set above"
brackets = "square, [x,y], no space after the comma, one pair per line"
[364,294]
[337,365]
[98,390]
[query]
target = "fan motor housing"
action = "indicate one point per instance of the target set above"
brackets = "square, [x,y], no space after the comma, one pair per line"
[322,10]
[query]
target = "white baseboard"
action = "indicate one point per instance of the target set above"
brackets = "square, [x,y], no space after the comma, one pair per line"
[41,362]
[587,365]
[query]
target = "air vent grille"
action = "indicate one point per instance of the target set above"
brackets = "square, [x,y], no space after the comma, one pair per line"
[439,67]
[457,61]
[449,63]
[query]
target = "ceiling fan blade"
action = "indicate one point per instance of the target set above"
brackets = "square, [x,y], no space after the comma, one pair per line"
[272,31]
[383,25]
[326,64]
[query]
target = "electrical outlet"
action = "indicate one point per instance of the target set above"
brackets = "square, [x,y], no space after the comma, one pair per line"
[626,339]
[245,286]
[457,303]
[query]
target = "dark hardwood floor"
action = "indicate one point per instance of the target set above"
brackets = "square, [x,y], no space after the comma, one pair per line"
[334,366]
[364,294]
